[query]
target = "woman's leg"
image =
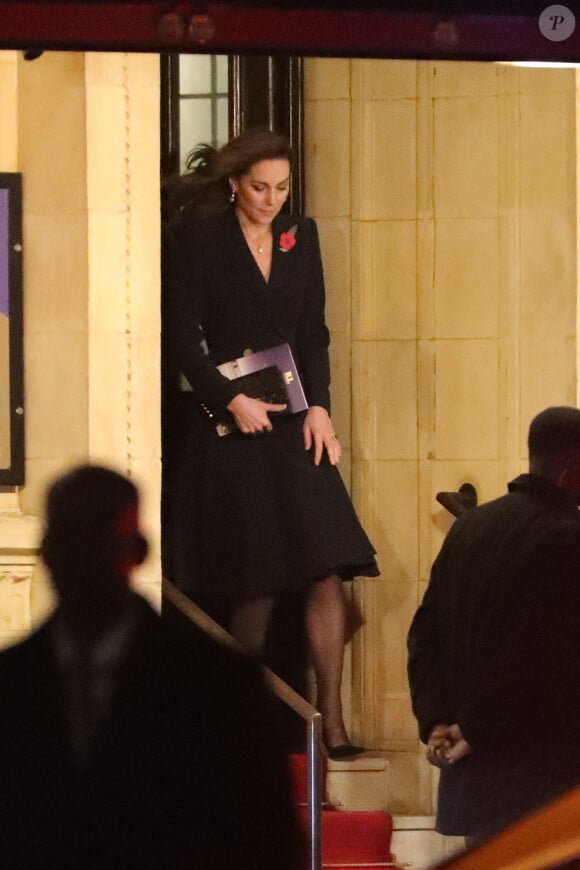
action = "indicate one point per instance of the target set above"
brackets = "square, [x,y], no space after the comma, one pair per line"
[326,630]
[249,624]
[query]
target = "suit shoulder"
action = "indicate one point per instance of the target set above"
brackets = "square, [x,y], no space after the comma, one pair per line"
[515,517]
[14,659]
[489,509]
[299,223]
[477,521]
[308,224]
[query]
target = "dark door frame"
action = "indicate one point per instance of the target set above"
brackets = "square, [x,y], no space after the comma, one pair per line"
[265,91]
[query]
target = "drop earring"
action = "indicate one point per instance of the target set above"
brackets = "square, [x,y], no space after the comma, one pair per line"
[233,196]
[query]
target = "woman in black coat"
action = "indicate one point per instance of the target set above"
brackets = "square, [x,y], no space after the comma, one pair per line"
[261,510]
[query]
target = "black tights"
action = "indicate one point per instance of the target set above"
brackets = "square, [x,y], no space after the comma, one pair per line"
[325,631]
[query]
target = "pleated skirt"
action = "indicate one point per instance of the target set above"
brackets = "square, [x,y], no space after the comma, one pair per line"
[255,517]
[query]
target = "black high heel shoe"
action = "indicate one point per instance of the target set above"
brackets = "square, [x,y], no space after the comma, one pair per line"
[344,751]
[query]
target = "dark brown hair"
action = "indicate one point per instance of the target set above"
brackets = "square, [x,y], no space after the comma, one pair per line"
[205,184]
[238,155]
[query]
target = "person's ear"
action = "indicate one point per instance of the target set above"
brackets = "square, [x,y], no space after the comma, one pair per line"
[563,472]
[568,476]
[130,553]
[130,547]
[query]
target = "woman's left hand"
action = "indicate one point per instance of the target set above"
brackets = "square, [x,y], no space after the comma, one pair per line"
[318,431]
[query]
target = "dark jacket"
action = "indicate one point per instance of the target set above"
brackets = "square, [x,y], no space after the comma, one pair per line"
[219,295]
[185,772]
[495,647]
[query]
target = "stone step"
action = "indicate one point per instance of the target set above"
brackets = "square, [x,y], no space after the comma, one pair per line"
[416,843]
[397,782]
[360,783]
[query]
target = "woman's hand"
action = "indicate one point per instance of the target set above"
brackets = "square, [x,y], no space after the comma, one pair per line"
[319,431]
[251,415]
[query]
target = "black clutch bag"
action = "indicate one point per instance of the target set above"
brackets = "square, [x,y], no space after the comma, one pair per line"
[267,385]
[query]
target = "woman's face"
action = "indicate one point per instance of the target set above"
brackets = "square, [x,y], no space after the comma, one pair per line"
[263,190]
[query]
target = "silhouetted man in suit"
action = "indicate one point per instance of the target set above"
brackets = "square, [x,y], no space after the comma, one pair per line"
[123,743]
[494,648]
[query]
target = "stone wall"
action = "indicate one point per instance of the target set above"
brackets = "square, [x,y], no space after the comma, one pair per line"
[446,199]
[83,129]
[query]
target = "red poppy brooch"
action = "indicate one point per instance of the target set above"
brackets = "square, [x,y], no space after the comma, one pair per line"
[288,240]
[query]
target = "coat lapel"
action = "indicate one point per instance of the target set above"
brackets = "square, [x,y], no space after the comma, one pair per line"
[280,293]
[285,283]
[239,253]
[283,261]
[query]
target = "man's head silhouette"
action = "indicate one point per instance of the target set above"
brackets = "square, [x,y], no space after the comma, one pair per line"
[554,447]
[91,543]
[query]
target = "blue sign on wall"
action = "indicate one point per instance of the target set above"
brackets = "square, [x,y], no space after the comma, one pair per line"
[11,358]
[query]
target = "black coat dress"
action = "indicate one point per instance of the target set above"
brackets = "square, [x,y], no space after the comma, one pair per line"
[254,516]
[495,647]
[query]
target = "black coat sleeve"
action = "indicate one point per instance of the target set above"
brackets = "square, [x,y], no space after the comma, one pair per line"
[187,300]
[424,667]
[312,334]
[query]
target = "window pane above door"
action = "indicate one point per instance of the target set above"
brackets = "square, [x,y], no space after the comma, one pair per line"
[203,102]
[194,126]
[195,74]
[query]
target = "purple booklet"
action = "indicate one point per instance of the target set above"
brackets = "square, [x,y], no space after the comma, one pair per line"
[280,357]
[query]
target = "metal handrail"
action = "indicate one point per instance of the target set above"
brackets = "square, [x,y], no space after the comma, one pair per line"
[366,864]
[289,697]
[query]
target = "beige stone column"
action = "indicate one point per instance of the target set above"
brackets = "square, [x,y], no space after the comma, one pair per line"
[48,142]
[84,132]
[52,157]
[123,217]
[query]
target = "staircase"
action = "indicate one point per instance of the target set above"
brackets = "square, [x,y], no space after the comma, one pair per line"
[354,839]
[358,839]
